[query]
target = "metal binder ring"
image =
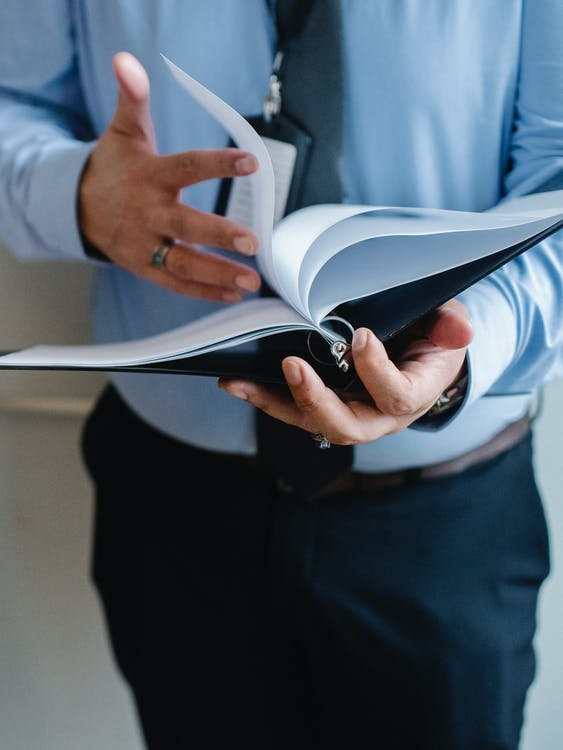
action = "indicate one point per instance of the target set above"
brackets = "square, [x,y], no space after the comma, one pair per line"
[344,322]
[345,346]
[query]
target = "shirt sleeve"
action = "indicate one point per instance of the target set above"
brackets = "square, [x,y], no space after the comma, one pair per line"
[44,131]
[517,311]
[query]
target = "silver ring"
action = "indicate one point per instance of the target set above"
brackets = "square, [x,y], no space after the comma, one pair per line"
[158,257]
[322,441]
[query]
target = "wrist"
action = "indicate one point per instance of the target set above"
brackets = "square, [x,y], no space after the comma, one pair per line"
[90,246]
[451,397]
[92,251]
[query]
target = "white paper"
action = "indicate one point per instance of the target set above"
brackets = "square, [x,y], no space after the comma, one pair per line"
[537,203]
[293,239]
[238,324]
[378,249]
[262,181]
[380,263]
[240,205]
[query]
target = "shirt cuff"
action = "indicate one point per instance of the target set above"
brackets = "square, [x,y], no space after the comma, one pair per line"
[52,207]
[491,351]
[493,347]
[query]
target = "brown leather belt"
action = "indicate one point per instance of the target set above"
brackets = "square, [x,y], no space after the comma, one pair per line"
[365,482]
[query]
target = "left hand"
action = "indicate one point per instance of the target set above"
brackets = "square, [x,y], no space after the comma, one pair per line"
[397,393]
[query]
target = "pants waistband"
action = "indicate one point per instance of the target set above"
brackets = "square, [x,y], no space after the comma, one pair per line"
[352,481]
[364,482]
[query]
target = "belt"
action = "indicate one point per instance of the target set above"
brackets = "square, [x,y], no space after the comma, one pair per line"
[366,482]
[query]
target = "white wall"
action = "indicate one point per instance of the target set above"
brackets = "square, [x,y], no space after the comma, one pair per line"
[544,728]
[58,686]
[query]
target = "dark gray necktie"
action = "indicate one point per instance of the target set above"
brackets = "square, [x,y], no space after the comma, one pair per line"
[312,95]
[312,92]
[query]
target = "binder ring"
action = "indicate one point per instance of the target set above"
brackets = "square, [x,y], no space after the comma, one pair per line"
[338,349]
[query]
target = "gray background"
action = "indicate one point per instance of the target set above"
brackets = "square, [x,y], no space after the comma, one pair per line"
[59,689]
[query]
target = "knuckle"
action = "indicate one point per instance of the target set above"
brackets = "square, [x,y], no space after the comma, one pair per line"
[343,438]
[262,403]
[306,402]
[188,162]
[200,291]
[222,234]
[179,226]
[209,294]
[400,405]
[225,278]
[226,161]
[184,264]
[197,291]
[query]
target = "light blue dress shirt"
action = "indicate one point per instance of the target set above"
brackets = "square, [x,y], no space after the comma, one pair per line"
[449,103]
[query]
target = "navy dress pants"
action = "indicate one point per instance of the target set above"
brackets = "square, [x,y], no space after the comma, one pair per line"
[244,618]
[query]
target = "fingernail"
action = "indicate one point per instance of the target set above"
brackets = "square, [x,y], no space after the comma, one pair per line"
[360,339]
[246,282]
[244,244]
[239,390]
[231,297]
[238,393]
[292,373]
[245,165]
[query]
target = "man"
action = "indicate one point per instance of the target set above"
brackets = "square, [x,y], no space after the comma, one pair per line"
[398,610]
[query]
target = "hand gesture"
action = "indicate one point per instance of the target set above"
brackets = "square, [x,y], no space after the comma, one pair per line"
[129,202]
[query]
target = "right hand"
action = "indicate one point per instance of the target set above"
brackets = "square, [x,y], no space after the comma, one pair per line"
[129,201]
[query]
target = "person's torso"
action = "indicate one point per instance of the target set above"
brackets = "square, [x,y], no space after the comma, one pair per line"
[429,100]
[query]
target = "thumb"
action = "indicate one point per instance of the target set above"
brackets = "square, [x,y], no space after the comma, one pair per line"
[450,327]
[132,115]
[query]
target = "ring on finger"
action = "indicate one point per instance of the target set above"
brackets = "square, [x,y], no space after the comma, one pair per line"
[322,441]
[158,257]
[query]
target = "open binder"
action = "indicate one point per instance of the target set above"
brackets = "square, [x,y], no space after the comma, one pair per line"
[383,267]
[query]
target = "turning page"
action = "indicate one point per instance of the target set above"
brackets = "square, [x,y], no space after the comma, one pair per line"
[261,182]
[379,248]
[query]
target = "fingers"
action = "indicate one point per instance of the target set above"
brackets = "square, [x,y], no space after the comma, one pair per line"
[129,201]
[313,407]
[186,270]
[189,264]
[270,400]
[321,410]
[394,392]
[196,227]
[450,327]
[383,381]
[132,115]
[408,389]
[189,288]
[178,170]
[399,394]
